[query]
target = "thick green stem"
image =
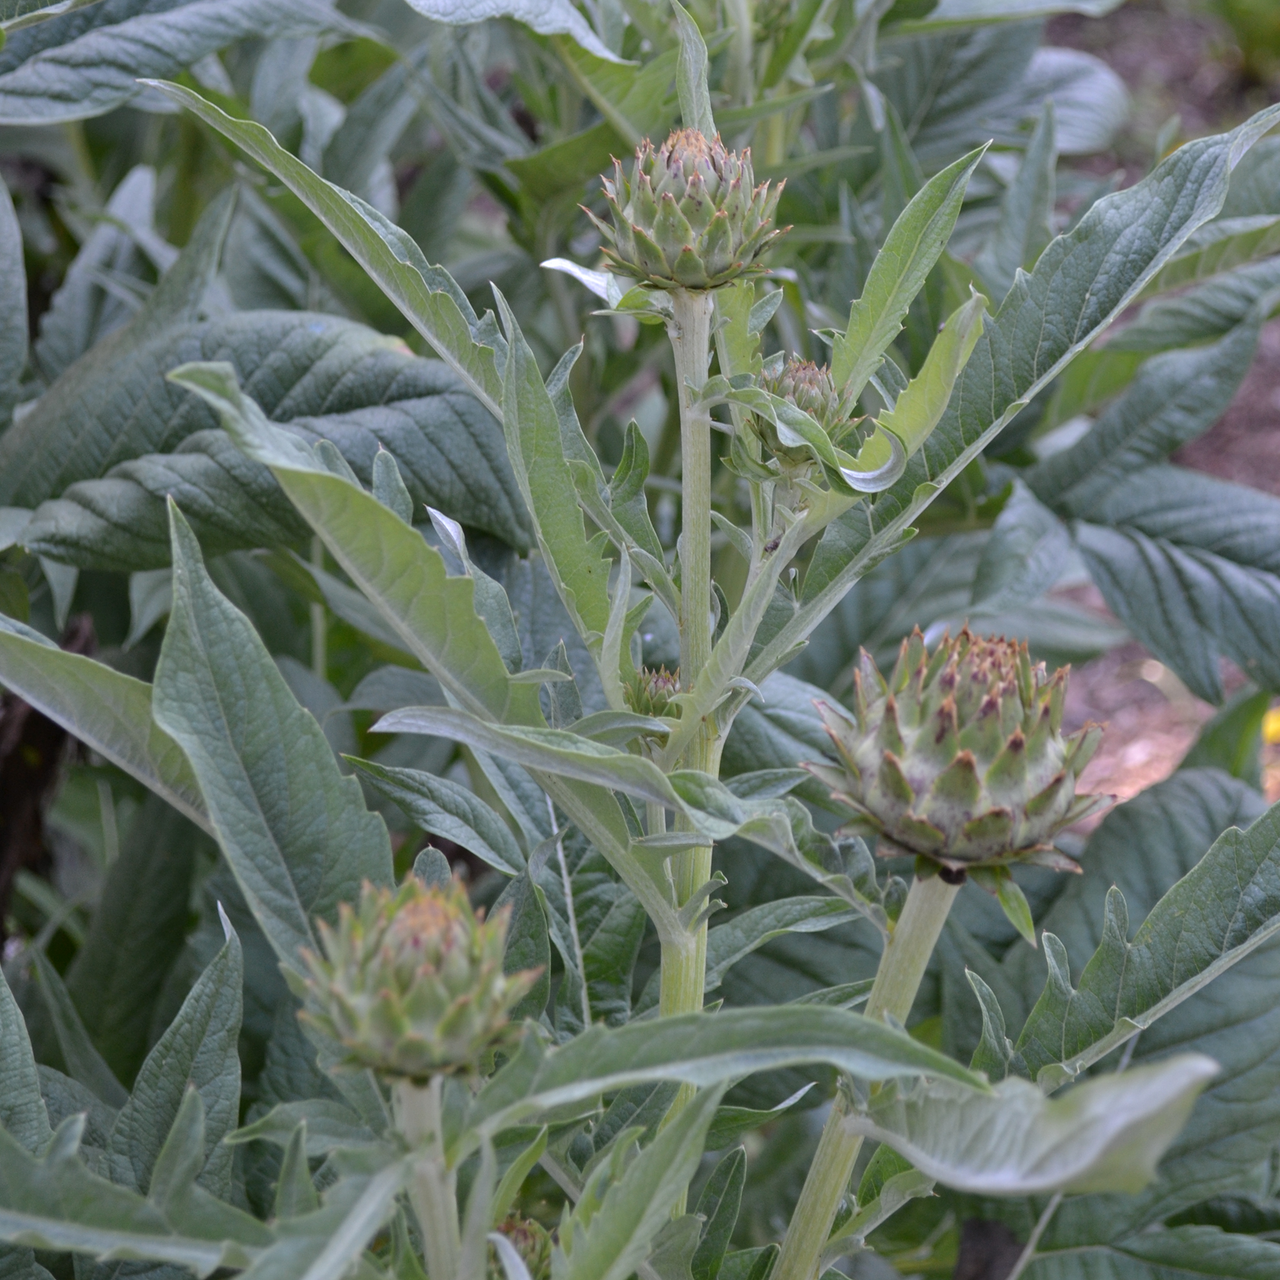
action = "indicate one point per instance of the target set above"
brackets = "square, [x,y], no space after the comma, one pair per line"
[902,966]
[684,959]
[432,1186]
[690,332]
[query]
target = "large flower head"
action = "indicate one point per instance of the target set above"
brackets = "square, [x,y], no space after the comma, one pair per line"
[959,757]
[691,217]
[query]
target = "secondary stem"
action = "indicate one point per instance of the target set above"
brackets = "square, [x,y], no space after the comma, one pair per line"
[902,965]
[432,1187]
[319,623]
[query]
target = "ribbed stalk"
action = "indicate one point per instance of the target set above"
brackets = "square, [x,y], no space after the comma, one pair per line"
[902,965]
[684,959]
[432,1186]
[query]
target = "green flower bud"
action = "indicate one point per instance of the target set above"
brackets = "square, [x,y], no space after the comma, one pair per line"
[690,217]
[532,1242]
[959,756]
[809,387]
[650,693]
[411,983]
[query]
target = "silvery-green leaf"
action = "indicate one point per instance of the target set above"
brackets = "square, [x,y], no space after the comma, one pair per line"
[703,1050]
[444,808]
[136,934]
[22,1110]
[104,708]
[427,295]
[200,1049]
[1106,1134]
[295,831]
[54,1202]
[86,62]
[432,613]
[84,1063]
[610,1233]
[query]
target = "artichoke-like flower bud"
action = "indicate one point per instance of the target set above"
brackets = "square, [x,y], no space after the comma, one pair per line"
[811,388]
[531,1241]
[959,756]
[411,982]
[690,218]
[650,693]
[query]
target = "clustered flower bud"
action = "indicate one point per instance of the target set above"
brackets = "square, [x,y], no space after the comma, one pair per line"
[959,756]
[690,218]
[650,693]
[411,982]
[810,388]
[531,1241]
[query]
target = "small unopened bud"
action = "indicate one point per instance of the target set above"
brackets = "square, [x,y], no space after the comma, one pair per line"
[650,693]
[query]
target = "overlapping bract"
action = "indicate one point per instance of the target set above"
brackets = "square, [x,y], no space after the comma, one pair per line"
[959,756]
[650,693]
[411,983]
[691,217]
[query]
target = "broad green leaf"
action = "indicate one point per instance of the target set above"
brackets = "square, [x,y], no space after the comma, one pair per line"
[703,1050]
[135,936]
[199,1049]
[691,75]
[557,751]
[1026,212]
[81,64]
[22,1110]
[1144,847]
[294,830]
[729,943]
[1188,563]
[427,295]
[1106,1134]
[54,1202]
[327,378]
[59,442]
[1082,281]
[537,453]
[1177,1253]
[908,254]
[1224,909]
[1025,554]
[1201,313]
[120,522]
[444,808]
[922,402]
[13,288]
[392,564]
[1174,398]
[556,17]
[1226,243]
[84,1063]
[610,1232]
